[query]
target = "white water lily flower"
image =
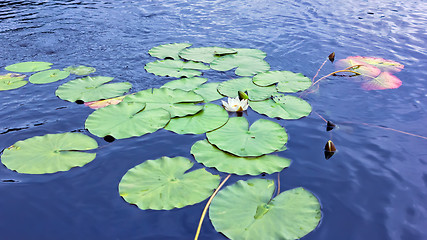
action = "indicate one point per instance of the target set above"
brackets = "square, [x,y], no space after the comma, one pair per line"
[235,105]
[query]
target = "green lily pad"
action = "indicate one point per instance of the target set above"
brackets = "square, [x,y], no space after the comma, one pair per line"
[209,91]
[286,81]
[282,106]
[210,156]
[186,84]
[49,153]
[177,102]
[11,81]
[91,89]
[231,88]
[126,120]
[175,68]
[210,118]
[164,184]
[245,65]
[80,70]
[168,50]
[245,210]
[263,137]
[48,76]
[205,54]
[28,66]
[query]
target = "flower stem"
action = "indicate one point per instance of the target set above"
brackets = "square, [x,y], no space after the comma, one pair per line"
[207,206]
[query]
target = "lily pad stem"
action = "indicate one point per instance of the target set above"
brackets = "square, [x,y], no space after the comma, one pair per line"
[207,206]
[333,73]
[318,70]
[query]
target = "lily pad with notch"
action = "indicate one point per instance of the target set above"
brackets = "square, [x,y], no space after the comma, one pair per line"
[49,153]
[209,91]
[205,54]
[164,184]
[168,51]
[210,118]
[177,102]
[11,81]
[287,82]
[210,156]
[28,66]
[186,84]
[48,76]
[263,137]
[371,76]
[247,210]
[80,70]
[282,106]
[232,87]
[175,68]
[91,89]
[126,120]
[245,65]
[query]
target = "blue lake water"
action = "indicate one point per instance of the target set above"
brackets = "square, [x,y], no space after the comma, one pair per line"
[374,187]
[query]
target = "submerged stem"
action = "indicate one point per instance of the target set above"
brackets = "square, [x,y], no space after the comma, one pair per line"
[318,70]
[333,73]
[207,206]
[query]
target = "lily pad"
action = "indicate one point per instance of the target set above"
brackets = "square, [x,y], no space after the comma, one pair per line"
[286,81]
[126,120]
[245,65]
[209,91]
[282,106]
[80,70]
[177,102]
[48,76]
[205,54]
[210,156]
[362,68]
[371,76]
[245,210]
[103,103]
[263,137]
[11,81]
[49,153]
[383,81]
[175,68]
[231,88]
[210,118]
[168,50]
[164,184]
[385,65]
[186,84]
[91,89]
[28,66]
[251,52]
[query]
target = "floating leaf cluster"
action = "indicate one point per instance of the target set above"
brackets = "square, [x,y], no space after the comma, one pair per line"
[186,105]
[375,73]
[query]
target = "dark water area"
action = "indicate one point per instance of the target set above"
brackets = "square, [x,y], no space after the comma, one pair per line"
[374,187]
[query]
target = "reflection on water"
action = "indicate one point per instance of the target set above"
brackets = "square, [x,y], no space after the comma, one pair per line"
[374,187]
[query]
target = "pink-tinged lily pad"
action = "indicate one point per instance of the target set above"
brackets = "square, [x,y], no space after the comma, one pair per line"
[384,65]
[362,68]
[105,102]
[385,80]
[375,73]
